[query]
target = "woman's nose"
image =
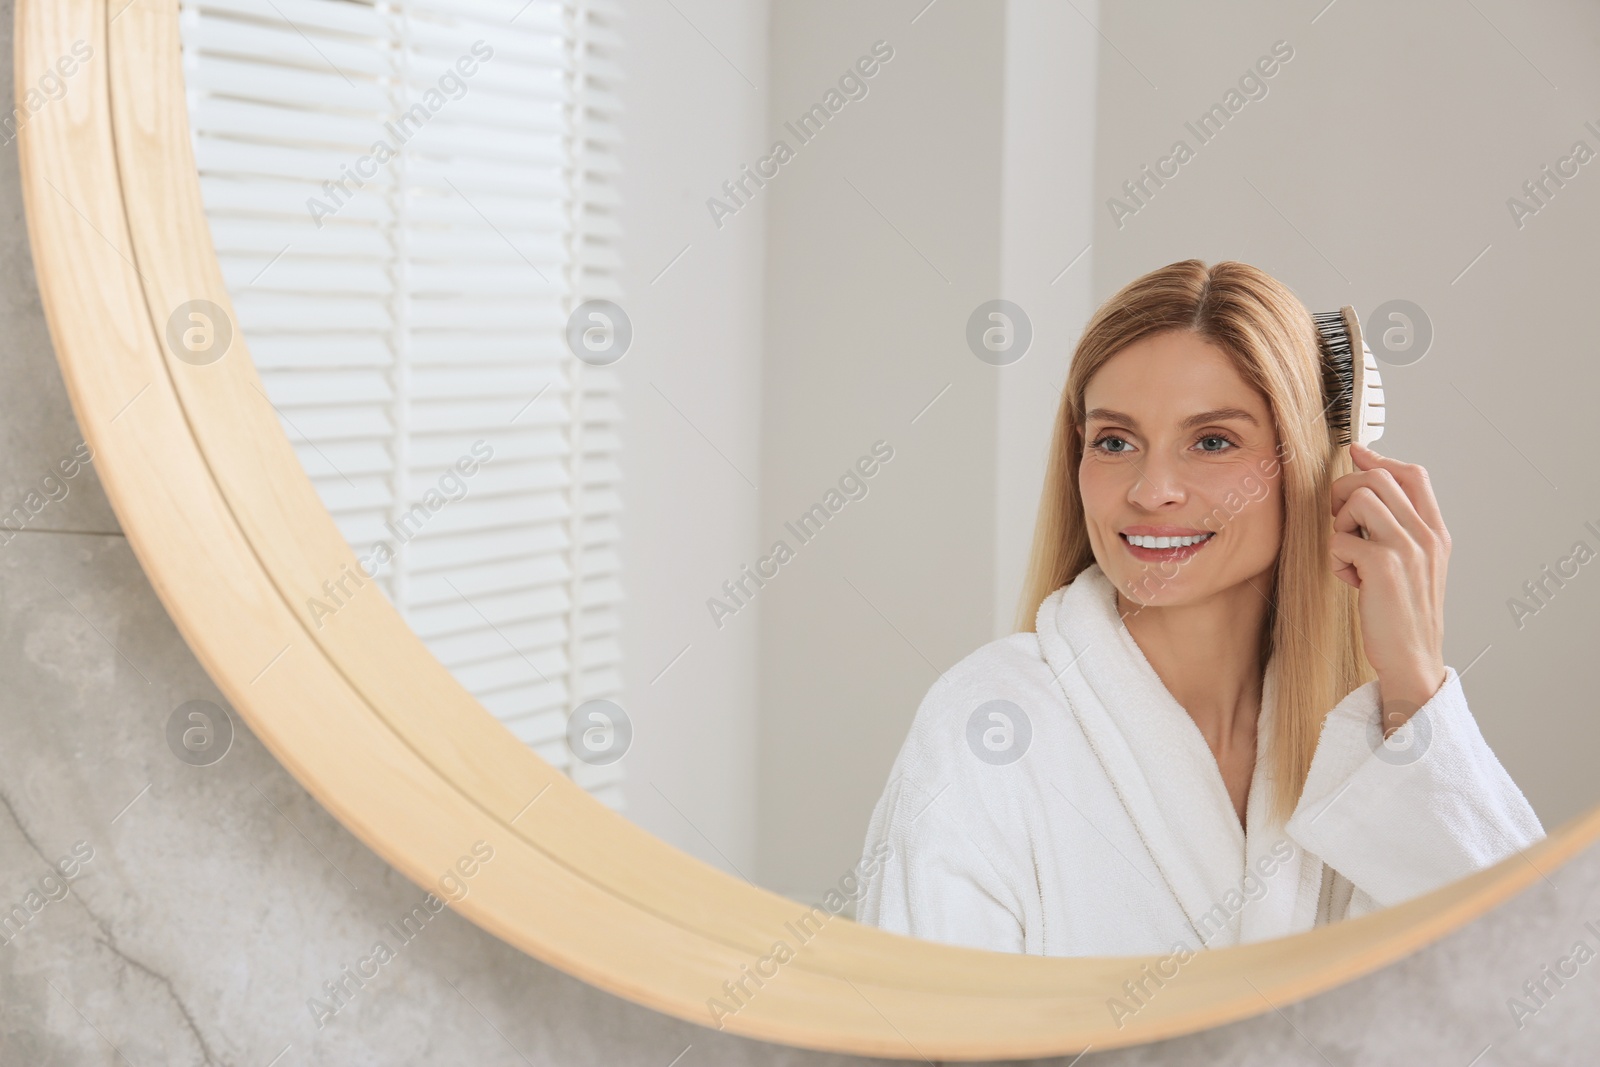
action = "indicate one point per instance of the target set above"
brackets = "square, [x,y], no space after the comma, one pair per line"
[1156,482]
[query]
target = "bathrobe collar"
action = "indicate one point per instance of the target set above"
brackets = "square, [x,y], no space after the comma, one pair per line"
[1167,778]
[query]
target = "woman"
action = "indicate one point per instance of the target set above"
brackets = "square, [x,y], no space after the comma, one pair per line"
[1152,764]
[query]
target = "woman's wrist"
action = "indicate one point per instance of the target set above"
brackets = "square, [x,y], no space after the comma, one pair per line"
[1402,695]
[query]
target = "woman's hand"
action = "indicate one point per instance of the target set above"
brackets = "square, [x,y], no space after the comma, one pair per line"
[1399,568]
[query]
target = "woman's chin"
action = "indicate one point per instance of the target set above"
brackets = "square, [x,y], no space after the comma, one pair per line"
[1156,586]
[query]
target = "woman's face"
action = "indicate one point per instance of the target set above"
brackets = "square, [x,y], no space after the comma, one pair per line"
[1177,445]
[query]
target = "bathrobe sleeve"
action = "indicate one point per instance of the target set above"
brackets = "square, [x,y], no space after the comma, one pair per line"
[1402,817]
[959,867]
[937,881]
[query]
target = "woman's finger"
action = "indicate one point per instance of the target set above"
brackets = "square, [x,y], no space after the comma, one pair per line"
[1384,486]
[1413,478]
[1371,512]
[1350,553]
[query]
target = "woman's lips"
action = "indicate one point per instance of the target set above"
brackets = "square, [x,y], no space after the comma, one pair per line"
[1164,555]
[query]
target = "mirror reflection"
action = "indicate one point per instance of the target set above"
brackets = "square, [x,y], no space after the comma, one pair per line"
[1220,558]
[1054,478]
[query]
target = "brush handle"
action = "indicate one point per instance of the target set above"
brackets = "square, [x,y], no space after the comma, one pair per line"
[1366,405]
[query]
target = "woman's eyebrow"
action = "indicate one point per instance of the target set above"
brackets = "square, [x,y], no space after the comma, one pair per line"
[1200,418]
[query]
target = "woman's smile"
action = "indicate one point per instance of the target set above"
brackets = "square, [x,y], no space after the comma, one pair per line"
[1164,544]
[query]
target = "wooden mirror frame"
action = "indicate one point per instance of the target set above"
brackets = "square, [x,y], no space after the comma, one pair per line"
[233,537]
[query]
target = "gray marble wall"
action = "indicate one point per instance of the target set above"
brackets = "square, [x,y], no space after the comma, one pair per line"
[216,900]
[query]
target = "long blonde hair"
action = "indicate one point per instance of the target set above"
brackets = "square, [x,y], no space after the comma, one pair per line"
[1312,631]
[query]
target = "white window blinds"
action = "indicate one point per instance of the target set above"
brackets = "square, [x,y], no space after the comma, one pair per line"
[408,198]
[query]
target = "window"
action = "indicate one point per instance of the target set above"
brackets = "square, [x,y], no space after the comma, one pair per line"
[408,198]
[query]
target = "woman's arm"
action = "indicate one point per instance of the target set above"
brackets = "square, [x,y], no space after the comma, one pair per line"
[1407,816]
[1433,804]
[937,881]
[961,868]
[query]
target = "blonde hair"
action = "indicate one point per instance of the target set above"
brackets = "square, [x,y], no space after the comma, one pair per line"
[1312,628]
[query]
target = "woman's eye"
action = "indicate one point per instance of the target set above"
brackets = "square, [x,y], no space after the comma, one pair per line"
[1215,437]
[1102,441]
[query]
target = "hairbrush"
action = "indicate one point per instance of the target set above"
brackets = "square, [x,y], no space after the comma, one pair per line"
[1350,382]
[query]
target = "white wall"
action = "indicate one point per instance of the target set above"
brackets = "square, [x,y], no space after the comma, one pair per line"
[1047,259]
[825,315]
[692,404]
[883,235]
[960,178]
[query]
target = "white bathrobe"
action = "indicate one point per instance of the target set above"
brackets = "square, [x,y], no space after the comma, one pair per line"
[1113,833]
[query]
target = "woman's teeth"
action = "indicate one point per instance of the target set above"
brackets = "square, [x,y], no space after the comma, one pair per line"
[1165,542]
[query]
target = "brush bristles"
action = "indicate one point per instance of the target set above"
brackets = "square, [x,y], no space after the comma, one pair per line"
[1338,373]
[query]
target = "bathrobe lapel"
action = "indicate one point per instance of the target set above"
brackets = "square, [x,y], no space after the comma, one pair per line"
[1166,776]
